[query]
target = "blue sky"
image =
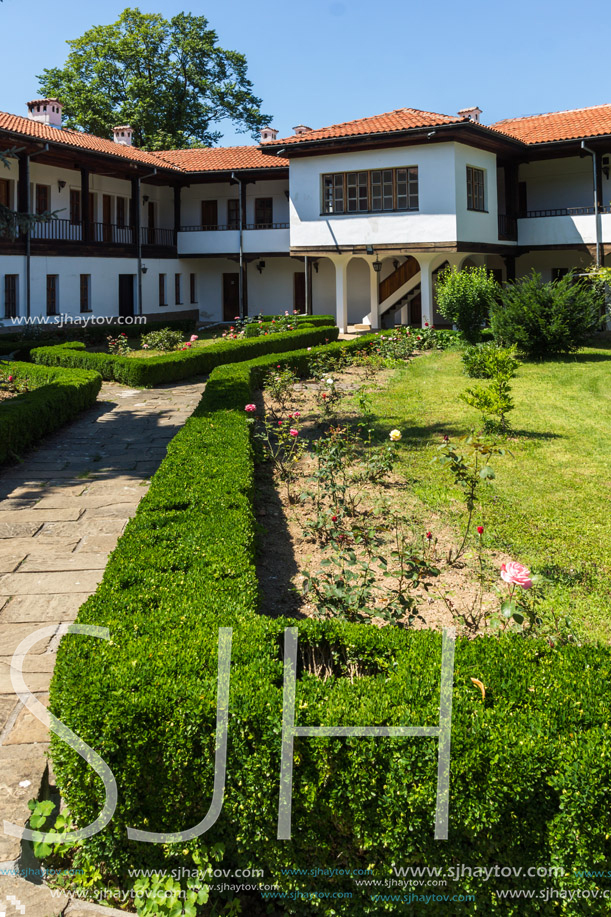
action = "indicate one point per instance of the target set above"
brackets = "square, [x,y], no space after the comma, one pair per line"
[317,62]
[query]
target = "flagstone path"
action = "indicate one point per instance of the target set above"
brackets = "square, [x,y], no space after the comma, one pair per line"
[62,511]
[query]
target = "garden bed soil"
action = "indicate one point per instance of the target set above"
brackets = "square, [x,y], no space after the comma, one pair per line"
[286,550]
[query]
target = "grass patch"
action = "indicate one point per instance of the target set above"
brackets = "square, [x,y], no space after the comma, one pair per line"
[549,505]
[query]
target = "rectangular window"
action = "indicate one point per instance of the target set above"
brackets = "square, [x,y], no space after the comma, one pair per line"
[121,212]
[407,188]
[210,214]
[75,206]
[177,289]
[475,189]
[233,214]
[43,198]
[333,193]
[11,282]
[264,211]
[193,288]
[370,192]
[85,292]
[163,294]
[357,194]
[52,283]
[5,195]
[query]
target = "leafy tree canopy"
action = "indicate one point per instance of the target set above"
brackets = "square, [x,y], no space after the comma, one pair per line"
[168,79]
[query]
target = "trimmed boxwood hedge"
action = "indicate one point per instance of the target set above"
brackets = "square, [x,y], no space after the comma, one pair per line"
[56,396]
[530,763]
[182,364]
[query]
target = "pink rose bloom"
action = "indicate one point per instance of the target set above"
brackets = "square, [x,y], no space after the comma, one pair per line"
[193,337]
[309,348]
[296,414]
[10,378]
[145,346]
[251,408]
[516,574]
[294,432]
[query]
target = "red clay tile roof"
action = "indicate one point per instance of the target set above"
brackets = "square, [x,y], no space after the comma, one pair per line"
[558,125]
[214,159]
[25,127]
[400,119]
[199,160]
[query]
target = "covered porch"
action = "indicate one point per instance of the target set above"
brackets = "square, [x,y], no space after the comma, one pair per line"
[381,289]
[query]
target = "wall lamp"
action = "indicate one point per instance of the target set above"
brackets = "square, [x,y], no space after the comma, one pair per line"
[377,265]
[260,265]
[145,199]
[315,266]
[395,263]
[144,268]
[61,185]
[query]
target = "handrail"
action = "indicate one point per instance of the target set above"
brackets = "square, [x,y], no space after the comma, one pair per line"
[223,227]
[403,273]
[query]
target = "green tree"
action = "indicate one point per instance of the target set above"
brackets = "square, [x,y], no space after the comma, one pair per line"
[466,297]
[168,79]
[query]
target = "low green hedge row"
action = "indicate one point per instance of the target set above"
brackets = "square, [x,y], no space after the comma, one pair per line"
[183,364]
[310,319]
[55,397]
[530,780]
[255,329]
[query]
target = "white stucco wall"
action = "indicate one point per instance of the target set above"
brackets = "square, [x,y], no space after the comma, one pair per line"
[555,183]
[435,220]
[475,226]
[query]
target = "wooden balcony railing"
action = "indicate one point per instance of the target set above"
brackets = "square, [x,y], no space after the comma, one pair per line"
[222,227]
[564,212]
[106,233]
[391,284]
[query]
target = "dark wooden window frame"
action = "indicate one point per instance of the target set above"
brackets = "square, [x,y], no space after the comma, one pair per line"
[476,189]
[233,213]
[47,195]
[11,295]
[347,188]
[178,289]
[85,292]
[193,288]
[265,204]
[52,288]
[163,290]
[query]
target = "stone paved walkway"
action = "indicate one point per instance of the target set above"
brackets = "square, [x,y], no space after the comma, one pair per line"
[61,512]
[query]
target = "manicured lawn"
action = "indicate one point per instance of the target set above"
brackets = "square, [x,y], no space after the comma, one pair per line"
[550,505]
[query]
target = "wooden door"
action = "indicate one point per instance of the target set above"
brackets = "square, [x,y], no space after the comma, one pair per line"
[10,295]
[4,193]
[210,214]
[51,294]
[299,298]
[126,294]
[107,218]
[415,311]
[264,212]
[43,197]
[231,296]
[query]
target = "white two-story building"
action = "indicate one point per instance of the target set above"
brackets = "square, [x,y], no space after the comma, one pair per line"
[355,219]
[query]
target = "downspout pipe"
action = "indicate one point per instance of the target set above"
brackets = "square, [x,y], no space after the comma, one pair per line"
[139,179]
[592,153]
[236,178]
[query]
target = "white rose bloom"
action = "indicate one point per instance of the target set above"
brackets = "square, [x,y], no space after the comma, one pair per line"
[395,435]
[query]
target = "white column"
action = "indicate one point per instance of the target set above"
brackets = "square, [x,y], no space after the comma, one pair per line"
[374,314]
[426,287]
[404,314]
[341,293]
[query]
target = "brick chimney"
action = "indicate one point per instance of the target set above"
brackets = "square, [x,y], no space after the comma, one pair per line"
[46,111]
[123,135]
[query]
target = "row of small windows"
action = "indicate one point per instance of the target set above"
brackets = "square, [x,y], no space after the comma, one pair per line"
[386,190]
[178,300]
[11,292]
[375,191]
